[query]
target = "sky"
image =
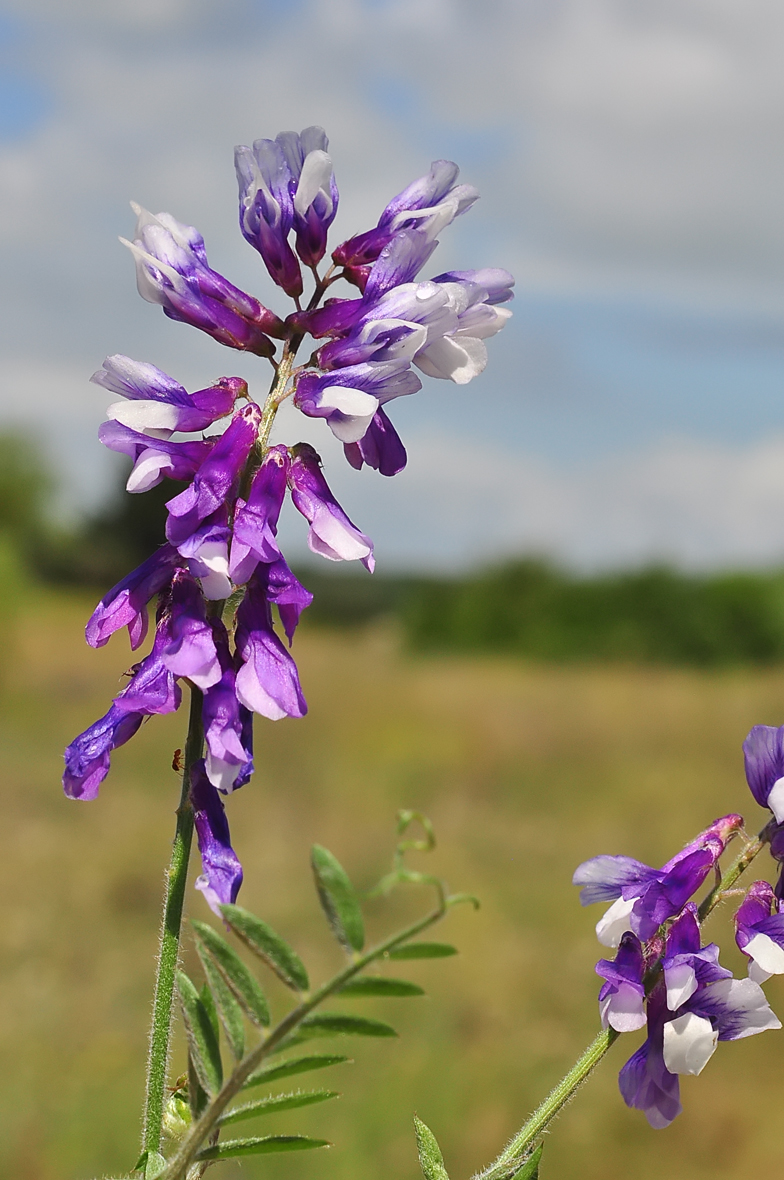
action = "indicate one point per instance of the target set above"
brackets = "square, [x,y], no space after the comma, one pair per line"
[629,157]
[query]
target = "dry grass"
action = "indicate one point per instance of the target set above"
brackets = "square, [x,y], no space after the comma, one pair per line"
[525,771]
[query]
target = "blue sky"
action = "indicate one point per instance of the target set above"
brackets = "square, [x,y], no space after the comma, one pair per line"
[629,159]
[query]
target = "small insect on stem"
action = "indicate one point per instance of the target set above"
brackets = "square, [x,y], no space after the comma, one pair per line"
[177,763]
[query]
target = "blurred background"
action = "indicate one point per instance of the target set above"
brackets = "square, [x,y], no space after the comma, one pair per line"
[578,609]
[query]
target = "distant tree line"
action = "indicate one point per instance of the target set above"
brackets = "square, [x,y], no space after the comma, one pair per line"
[527,608]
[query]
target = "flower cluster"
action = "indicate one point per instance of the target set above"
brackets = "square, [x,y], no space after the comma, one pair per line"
[220,571]
[664,980]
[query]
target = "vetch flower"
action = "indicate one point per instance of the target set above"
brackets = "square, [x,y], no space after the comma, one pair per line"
[622,996]
[221,870]
[645,897]
[763,755]
[267,680]
[172,270]
[156,402]
[207,553]
[759,931]
[228,726]
[267,210]
[331,532]
[153,458]
[686,964]
[125,605]
[254,535]
[380,447]
[314,191]
[190,652]
[216,479]
[88,757]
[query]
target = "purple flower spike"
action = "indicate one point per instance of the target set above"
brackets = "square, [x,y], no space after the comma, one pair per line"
[759,932]
[267,210]
[172,270]
[190,652]
[645,1082]
[156,402]
[763,754]
[125,605]
[153,458]
[622,996]
[255,522]
[267,682]
[225,723]
[88,757]
[380,447]
[216,479]
[313,189]
[222,876]
[331,532]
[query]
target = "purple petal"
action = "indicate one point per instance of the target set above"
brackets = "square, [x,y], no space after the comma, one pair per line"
[125,605]
[644,1081]
[604,878]
[763,755]
[225,723]
[331,532]
[267,682]
[222,872]
[380,447]
[256,522]
[190,652]
[88,757]
[216,479]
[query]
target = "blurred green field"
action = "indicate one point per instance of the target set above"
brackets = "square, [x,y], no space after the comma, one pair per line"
[525,771]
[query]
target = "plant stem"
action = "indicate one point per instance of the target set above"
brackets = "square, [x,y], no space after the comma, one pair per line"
[729,878]
[169,951]
[186,1154]
[509,1159]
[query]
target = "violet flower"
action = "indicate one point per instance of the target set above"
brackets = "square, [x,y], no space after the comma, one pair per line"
[172,270]
[622,995]
[380,447]
[216,479]
[711,1007]
[125,605]
[207,553]
[256,521]
[646,897]
[429,203]
[759,931]
[331,532]
[88,757]
[267,681]
[349,398]
[153,458]
[227,725]
[313,190]
[156,402]
[190,651]
[267,210]
[222,872]
[763,755]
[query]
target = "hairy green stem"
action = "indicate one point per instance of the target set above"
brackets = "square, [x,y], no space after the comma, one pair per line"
[199,1133]
[169,952]
[511,1157]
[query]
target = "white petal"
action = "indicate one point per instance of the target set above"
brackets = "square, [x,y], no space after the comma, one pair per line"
[776,800]
[145,416]
[337,541]
[349,428]
[681,983]
[314,178]
[623,1010]
[611,928]
[349,401]
[757,974]
[221,774]
[477,322]
[251,694]
[689,1043]
[147,471]
[747,998]
[456,360]
[766,953]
